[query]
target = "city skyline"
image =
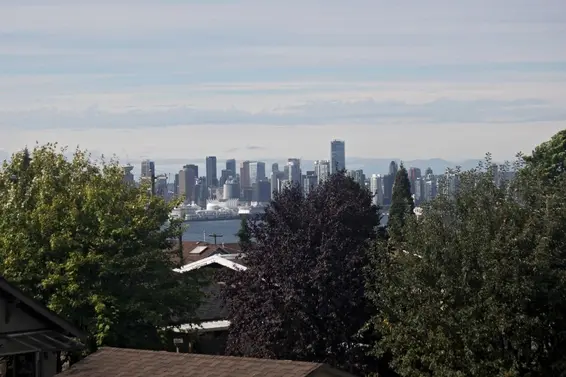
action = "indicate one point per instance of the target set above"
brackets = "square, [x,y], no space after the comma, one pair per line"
[146,79]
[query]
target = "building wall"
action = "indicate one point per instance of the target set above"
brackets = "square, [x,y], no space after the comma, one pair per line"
[20,321]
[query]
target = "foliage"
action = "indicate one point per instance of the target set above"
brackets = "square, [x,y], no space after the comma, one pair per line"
[91,248]
[479,289]
[244,236]
[549,158]
[302,296]
[402,205]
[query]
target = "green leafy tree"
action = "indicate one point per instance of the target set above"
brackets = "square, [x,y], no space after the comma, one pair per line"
[402,206]
[549,158]
[302,295]
[479,288]
[91,248]
[244,236]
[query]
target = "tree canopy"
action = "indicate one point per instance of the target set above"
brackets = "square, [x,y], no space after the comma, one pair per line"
[549,158]
[302,295]
[479,288]
[402,205]
[90,247]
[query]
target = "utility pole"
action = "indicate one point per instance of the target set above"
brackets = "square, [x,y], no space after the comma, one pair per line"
[215,236]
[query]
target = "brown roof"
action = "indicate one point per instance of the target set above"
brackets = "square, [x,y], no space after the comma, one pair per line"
[140,363]
[211,249]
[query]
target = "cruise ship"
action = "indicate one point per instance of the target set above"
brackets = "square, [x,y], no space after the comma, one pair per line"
[216,210]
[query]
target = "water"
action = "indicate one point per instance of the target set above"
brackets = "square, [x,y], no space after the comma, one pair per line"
[228,228]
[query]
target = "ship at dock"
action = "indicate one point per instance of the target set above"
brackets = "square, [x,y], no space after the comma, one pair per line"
[216,210]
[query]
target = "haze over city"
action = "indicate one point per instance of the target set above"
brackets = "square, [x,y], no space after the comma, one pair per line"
[173,80]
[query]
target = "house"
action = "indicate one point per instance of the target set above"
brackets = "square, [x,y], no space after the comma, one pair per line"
[31,336]
[140,363]
[212,329]
[194,251]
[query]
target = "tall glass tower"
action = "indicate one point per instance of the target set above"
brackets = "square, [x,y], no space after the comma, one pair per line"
[337,156]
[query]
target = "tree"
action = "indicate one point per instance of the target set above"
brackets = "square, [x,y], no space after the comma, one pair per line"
[244,237]
[302,295]
[549,158]
[402,205]
[480,287]
[91,248]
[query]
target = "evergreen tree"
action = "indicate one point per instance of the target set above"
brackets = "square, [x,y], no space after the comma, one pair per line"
[302,295]
[91,248]
[402,206]
[479,290]
[244,236]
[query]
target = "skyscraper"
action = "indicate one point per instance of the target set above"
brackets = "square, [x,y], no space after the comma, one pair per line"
[245,175]
[393,168]
[231,166]
[358,176]
[337,156]
[147,167]
[376,189]
[187,181]
[414,177]
[257,171]
[322,169]
[128,176]
[211,176]
[294,165]
[310,181]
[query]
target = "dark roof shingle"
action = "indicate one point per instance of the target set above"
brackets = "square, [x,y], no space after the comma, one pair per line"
[140,363]
[211,249]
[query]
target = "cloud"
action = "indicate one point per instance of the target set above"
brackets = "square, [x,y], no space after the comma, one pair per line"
[367,111]
[103,73]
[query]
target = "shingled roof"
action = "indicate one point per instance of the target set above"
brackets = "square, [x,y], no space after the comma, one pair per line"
[195,250]
[140,363]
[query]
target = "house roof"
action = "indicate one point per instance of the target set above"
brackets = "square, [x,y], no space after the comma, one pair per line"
[194,251]
[140,363]
[39,309]
[226,260]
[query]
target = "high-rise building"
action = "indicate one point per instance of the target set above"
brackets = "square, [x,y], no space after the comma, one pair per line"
[176,185]
[274,181]
[257,171]
[310,181]
[147,167]
[275,167]
[161,189]
[337,156]
[194,168]
[261,191]
[128,176]
[322,169]
[231,190]
[245,175]
[211,176]
[376,189]
[231,165]
[414,177]
[393,168]
[187,181]
[358,176]
[388,181]
[294,165]
[201,192]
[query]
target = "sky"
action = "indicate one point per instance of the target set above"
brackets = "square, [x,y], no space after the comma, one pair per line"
[253,79]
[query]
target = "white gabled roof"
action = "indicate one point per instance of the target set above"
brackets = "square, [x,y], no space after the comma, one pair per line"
[223,260]
[204,326]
